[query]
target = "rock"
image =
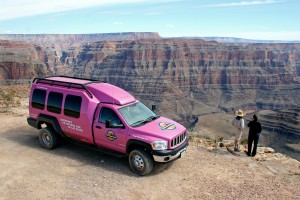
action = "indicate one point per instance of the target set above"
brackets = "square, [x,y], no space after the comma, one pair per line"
[262,150]
[228,142]
[269,150]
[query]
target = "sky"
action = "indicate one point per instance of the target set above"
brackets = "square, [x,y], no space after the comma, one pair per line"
[249,19]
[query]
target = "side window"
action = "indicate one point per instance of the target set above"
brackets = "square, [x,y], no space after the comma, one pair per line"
[109,114]
[38,99]
[72,106]
[54,102]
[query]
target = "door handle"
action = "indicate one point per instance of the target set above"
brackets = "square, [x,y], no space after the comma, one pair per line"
[99,127]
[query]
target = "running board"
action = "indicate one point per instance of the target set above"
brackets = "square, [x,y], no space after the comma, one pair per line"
[98,148]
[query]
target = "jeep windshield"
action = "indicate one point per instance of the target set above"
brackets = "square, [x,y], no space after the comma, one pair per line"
[137,114]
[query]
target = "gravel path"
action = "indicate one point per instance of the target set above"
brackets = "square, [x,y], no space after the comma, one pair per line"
[72,172]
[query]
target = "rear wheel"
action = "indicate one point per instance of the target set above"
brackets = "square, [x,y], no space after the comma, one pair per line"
[140,162]
[47,138]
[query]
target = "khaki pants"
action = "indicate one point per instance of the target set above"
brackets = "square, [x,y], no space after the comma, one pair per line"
[238,135]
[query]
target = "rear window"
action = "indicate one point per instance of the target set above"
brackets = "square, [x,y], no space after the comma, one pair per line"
[72,106]
[54,102]
[38,99]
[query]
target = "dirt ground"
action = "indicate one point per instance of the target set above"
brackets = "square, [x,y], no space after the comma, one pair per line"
[72,172]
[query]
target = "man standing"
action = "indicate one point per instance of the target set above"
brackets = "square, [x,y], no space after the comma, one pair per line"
[254,132]
[239,124]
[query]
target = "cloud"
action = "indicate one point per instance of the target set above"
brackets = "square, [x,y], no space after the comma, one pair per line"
[118,23]
[110,12]
[154,13]
[23,8]
[261,35]
[267,35]
[51,20]
[169,26]
[244,3]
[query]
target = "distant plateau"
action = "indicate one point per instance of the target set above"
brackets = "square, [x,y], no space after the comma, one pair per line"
[185,77]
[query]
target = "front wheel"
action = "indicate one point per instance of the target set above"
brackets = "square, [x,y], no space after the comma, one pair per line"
[47,138]
[140,162]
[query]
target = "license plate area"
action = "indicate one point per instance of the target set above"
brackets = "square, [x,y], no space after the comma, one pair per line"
[182,154]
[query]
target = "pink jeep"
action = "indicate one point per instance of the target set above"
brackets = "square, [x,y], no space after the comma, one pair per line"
[106,117]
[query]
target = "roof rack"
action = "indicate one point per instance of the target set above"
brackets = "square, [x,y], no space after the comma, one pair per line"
[47,81]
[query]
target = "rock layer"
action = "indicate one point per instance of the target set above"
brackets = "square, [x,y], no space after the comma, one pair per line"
[219,75]
[185,78]
[66,40]
[19,60]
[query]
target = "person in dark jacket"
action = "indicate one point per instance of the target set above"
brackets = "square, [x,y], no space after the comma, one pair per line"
[253,137]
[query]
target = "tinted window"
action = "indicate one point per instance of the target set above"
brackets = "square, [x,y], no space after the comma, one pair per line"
[38,99]
[54,102]
[137,112]
[109,114]
[72,106]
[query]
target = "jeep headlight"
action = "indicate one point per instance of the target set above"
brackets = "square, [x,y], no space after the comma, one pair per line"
[159,145]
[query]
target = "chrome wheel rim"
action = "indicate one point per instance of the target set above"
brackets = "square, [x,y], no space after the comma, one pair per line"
[138,162]
[46,139]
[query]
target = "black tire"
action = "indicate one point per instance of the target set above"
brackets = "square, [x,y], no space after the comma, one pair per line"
[48,138]
[140,162]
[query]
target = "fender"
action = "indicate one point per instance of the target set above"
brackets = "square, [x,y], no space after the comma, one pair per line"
[131,143]
[36,123]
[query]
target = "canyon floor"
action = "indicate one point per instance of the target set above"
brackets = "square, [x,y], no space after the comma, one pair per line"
[72,172]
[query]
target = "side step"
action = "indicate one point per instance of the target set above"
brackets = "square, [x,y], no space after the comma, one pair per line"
[99,149]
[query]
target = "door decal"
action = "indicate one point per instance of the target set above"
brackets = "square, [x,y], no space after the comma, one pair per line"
[111,136]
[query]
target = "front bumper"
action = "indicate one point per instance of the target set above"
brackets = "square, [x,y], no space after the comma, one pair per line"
[170,155]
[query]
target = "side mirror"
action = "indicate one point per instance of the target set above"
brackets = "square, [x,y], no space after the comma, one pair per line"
[107,124]
[153,107]
[118,126]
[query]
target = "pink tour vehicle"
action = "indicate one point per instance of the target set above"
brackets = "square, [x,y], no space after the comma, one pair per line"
[105,117]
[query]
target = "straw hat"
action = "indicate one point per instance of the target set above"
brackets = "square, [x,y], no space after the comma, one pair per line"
[240,113]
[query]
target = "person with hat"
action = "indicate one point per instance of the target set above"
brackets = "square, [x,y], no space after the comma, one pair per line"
[253,137]
[239,124]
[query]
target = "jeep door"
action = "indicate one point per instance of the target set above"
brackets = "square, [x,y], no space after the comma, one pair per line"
[113,137]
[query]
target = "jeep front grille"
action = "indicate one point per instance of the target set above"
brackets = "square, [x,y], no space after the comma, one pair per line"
[178,139]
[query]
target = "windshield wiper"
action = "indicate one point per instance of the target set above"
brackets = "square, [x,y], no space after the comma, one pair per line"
[149,119]
[152,118]
[139,122]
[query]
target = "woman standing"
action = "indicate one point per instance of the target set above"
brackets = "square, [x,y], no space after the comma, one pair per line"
[254,132]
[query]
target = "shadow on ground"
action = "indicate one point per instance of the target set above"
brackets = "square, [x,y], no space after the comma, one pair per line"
[28,137]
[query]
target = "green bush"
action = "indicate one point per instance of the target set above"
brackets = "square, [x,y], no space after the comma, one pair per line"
[8,99]
[244,141]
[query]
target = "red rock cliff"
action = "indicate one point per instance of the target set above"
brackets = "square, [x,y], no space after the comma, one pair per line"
[19,60]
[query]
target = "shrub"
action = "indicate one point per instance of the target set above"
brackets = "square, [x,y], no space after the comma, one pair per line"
[9,98]
[244,141]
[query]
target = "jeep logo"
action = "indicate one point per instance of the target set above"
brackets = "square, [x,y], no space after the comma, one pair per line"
[166,126]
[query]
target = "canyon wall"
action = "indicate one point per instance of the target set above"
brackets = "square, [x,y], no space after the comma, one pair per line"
[19,60]
[223,76]
[66,40]
[185,78]
[190,78]
[193,72]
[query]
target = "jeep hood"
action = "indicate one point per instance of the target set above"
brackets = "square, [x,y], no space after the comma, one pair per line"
[162,128]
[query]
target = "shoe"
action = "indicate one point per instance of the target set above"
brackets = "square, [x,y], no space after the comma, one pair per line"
[253,155]
[246,152]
